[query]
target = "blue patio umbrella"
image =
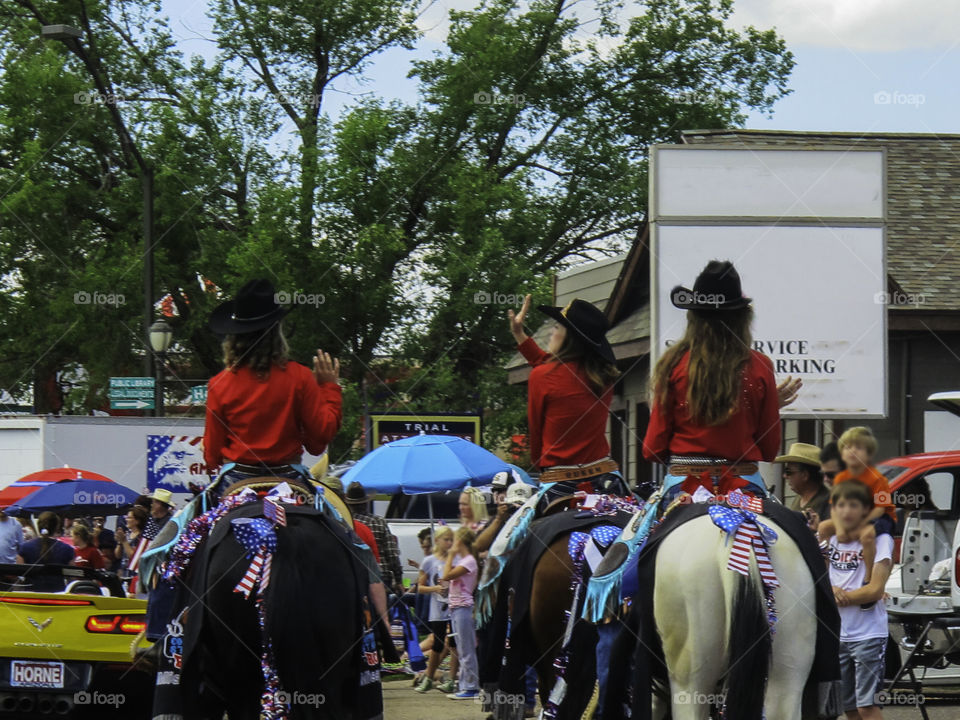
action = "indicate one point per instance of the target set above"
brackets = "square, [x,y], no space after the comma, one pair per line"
[424,464]
[74,498]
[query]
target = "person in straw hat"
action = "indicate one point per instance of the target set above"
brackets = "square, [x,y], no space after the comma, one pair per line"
[801,470]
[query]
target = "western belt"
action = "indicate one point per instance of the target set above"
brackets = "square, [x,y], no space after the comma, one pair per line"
[265,469]
[738,469]
[579,472]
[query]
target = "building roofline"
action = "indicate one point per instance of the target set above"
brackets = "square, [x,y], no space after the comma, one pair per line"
[824,134]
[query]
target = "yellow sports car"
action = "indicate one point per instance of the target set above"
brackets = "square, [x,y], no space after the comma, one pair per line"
[68,653]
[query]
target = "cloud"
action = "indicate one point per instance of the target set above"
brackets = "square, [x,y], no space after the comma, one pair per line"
[866,25]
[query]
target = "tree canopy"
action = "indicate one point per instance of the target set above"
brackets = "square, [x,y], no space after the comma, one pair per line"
[524,151]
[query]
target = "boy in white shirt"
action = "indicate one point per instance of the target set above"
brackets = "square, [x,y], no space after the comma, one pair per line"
[863,630]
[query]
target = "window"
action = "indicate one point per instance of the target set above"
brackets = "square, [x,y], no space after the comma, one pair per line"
[932,491]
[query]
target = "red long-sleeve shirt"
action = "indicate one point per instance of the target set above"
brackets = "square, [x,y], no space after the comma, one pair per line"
[568,422]
[751,434]
[270,421]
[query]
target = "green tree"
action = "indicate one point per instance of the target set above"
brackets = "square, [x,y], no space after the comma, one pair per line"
[526,152]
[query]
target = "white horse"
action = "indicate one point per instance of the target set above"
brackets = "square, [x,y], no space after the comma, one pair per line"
[712,624]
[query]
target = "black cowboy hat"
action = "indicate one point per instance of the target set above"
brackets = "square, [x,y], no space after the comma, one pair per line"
[587,321]
[716,288]
[356,495]
[254,308]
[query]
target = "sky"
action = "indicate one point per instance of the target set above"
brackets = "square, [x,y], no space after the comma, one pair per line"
[861,65]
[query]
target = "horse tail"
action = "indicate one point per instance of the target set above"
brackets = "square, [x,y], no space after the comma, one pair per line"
[313,615]
[750,648]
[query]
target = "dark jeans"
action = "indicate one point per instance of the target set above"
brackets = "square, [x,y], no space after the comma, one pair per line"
[161,606]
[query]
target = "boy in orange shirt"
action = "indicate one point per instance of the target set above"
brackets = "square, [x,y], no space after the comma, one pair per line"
[857,448]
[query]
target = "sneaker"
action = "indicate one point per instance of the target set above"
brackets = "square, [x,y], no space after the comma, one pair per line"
[425,686]
[448,687]
[465,695]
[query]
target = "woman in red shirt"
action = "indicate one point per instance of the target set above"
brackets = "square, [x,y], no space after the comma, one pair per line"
[570,388]
[263,410]
[715,407]
[86,554]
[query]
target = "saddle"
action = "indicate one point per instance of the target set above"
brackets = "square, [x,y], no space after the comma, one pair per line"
[303,490]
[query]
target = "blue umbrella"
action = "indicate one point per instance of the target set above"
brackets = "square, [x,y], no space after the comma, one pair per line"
[424,464]
[75,498]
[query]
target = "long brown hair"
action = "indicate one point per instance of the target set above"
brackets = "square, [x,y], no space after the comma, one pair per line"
[719,344]
[260,350]
[600,373]
[48,524]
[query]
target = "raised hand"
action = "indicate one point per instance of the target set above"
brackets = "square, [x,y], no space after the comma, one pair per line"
[788,389]
[516,320]
[325,369]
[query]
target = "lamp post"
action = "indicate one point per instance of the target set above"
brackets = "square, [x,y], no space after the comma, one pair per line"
[70,36]
[161,335]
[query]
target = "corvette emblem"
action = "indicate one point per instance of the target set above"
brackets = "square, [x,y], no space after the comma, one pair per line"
[40,625]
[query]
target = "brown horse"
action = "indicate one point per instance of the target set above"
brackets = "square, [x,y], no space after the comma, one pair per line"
[540,620]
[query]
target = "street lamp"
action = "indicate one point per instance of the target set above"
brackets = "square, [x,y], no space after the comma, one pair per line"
[161,335]
[70,36]
[59,32]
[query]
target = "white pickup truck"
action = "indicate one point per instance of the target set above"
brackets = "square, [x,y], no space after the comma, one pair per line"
[923,593]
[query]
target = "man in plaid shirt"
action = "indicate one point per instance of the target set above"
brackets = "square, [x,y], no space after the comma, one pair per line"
[390,567]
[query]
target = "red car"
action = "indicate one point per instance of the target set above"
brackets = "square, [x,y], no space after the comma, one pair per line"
[925,481]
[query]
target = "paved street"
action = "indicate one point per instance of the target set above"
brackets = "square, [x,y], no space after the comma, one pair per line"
[402,703]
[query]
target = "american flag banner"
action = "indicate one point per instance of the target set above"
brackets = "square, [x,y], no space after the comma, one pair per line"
[274,511]
[174,461]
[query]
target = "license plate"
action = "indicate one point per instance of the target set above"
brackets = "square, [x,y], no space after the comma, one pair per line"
[36,673]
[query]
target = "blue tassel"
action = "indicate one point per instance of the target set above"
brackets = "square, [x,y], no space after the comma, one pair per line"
[520,529]
[603,587]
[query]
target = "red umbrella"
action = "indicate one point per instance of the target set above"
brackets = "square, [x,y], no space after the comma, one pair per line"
[19,489]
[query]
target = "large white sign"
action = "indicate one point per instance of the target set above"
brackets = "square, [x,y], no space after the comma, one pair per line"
[804,228]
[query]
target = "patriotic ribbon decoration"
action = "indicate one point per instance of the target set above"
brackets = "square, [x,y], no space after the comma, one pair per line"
[748,533]
[259,539]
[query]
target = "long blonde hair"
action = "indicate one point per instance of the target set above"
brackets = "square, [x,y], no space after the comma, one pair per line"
[719,345]
[468,537]
[260,350]
[478,506]
[441,533]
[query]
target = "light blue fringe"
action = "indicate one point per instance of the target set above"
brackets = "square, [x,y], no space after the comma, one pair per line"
[486,592]
[602,588]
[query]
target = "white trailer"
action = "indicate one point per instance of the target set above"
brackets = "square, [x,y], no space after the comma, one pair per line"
[112,446]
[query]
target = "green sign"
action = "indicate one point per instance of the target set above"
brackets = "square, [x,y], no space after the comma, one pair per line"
[198,394]
[138,404]
[132,393]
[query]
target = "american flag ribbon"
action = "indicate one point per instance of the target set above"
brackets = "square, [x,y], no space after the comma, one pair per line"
[265,574]
[748,534]
[246,583]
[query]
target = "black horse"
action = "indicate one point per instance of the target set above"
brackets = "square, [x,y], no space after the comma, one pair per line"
[315,619]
